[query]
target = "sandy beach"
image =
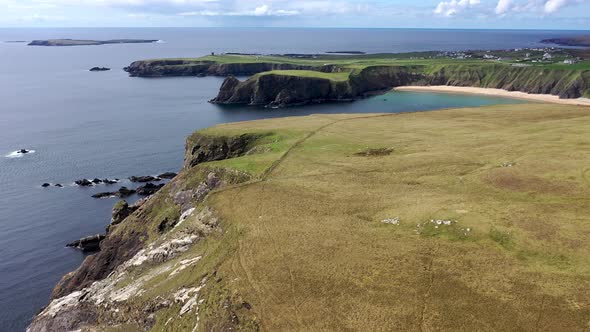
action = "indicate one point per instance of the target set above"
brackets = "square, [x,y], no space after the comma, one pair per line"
[496,93]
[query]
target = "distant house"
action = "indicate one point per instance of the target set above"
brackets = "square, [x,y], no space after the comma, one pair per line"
[570,61]
[547,56]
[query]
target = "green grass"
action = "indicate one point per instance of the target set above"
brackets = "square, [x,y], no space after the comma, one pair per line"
[341,77]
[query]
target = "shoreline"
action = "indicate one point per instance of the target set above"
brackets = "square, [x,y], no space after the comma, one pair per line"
[495,93]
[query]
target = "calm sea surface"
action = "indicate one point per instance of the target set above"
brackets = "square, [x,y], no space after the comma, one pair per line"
[105,124]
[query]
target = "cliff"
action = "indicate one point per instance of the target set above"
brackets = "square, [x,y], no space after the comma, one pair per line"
[281,90]
[197,67]
[277,89]
[353,222]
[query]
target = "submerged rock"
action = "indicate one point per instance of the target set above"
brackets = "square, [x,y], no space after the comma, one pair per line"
[45,185]
[146,178]
[23,151]
[87,244]
[83,183]
[59,185]
[123,192]
[149,189]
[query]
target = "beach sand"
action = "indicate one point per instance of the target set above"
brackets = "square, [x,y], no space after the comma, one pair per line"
[496,93]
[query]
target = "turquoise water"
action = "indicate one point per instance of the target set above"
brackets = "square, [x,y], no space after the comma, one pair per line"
[105,124]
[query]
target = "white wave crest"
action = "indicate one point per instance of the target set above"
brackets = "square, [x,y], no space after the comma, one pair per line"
[18,154]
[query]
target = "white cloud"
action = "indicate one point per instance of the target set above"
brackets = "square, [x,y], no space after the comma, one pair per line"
[453,7]
[503,6]
[553,6]
[539,7]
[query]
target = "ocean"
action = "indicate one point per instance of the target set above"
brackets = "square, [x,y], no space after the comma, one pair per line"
[84,124]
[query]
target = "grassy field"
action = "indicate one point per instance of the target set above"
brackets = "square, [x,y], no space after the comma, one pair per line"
[487,226]
[306,246]
[362,61]
[339,77]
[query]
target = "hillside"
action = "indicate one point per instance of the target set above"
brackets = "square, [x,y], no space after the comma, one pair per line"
[290,80]
[456,220]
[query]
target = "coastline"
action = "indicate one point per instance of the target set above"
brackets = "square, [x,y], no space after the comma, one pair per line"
[496,93]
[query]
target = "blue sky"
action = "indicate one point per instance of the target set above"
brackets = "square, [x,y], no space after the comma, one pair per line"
[494,14]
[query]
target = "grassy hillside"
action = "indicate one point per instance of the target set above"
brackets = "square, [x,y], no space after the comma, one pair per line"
[487,227]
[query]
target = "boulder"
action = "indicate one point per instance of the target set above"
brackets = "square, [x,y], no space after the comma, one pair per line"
[147,178]
[108,181]
[23,151]
[45,185]
[97,181]
[87,244]
[149,189]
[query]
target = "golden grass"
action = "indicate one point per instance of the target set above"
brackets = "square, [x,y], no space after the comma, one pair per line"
[309,250]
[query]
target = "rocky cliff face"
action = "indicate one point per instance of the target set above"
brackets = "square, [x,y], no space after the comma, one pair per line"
[142,243]
[285,90]
[281,90]
[180,67]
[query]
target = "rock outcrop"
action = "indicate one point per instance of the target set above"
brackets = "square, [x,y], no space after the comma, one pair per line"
[87,244]
[201,148]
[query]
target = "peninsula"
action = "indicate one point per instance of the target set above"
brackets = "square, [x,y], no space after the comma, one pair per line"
[458,220]
[81,42]
[583,41]
[278,81]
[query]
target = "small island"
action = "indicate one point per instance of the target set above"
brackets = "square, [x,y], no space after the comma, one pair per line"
[99,69]
[82,42]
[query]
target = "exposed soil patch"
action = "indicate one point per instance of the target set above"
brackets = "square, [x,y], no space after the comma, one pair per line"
[510,179]
[375,152]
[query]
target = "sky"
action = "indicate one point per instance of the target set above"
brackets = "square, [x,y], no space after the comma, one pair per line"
[476,14]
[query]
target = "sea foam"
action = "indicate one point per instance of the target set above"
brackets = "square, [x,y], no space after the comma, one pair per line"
[17,154]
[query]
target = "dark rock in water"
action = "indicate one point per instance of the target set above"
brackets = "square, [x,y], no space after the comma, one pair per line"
[99,69]
[167,175]
[87,244]
[97,181]
[84,183]
[108,181]
[105,195]
[123,192]
[45,185]
[23,151]
[149,189]
[59,185]
[147,178]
